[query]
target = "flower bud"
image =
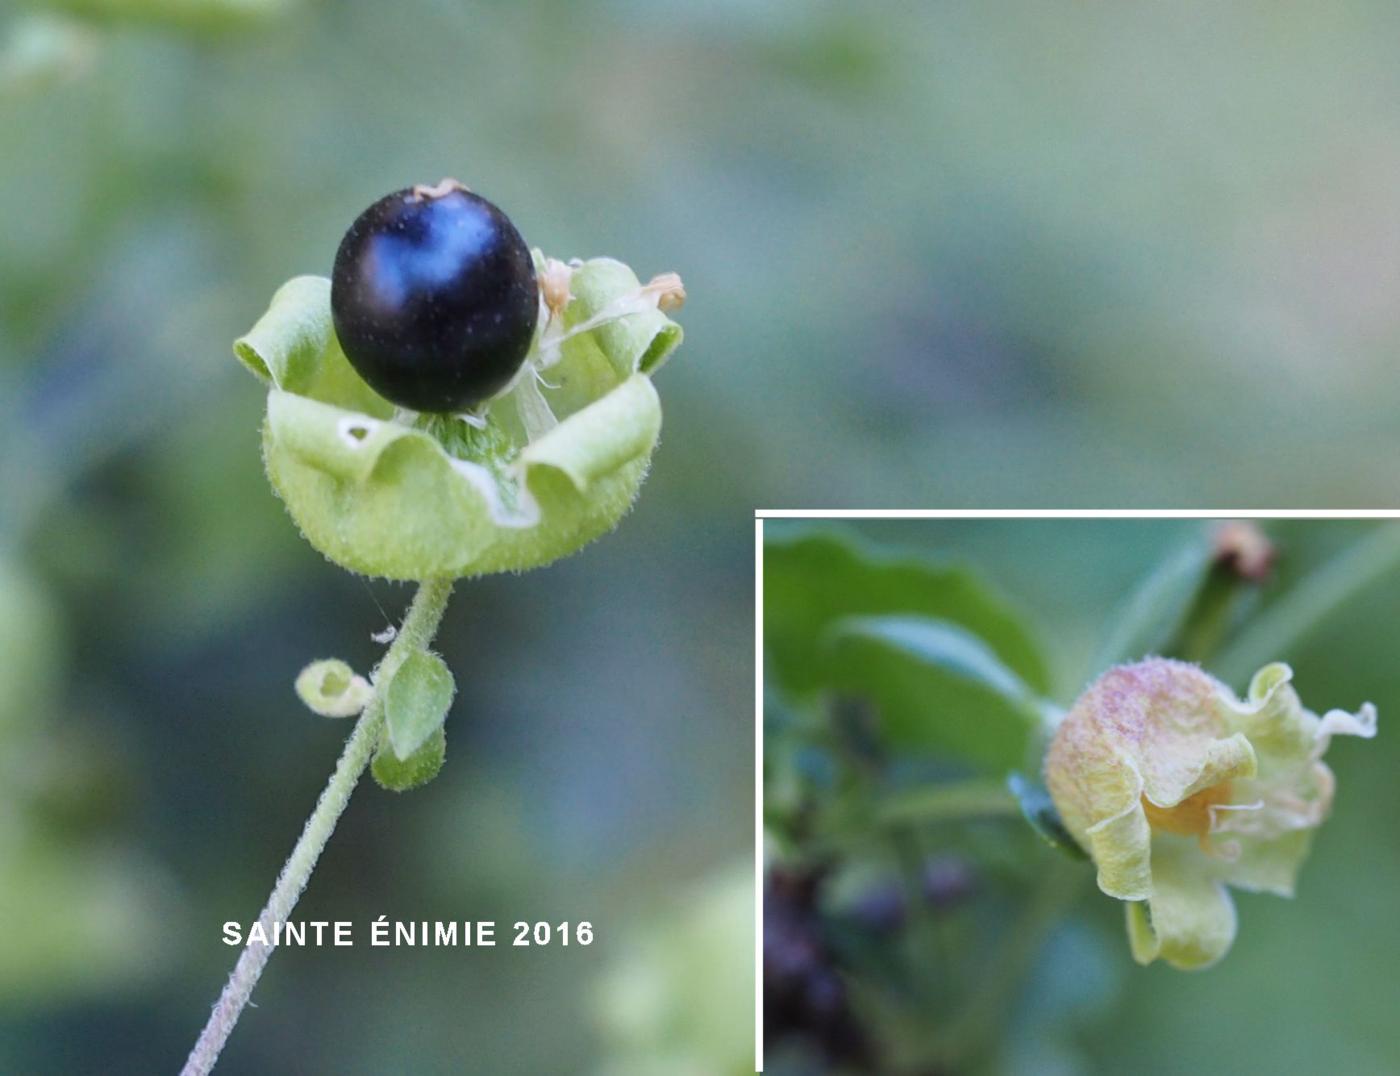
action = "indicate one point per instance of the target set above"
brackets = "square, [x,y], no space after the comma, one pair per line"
[331,688]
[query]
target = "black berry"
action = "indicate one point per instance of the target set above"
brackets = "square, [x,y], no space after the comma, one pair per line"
[434,298]
[804,994]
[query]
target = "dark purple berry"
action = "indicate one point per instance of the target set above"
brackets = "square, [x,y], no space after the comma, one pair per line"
[434,298]
[948,881]
[882,908]
[805,997]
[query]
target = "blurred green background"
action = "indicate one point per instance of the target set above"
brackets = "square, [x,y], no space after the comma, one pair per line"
[1309,985]
[941,255]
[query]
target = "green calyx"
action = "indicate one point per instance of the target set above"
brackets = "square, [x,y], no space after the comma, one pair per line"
[546,467]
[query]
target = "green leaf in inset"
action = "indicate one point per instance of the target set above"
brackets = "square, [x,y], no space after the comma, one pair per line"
[1040,812]
[812,579]
[416,700]
[401,775]
[936,687]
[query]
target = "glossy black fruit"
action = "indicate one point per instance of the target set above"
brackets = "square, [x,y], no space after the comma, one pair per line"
[434,298]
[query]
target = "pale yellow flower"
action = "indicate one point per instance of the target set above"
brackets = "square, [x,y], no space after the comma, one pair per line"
[1177,789]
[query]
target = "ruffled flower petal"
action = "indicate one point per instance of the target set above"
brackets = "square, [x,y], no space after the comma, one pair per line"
[1176,789]
[1189,920]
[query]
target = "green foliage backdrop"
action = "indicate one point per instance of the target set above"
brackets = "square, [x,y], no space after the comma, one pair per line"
[959,941]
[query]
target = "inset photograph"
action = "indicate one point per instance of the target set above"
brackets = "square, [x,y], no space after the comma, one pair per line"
[1079,795]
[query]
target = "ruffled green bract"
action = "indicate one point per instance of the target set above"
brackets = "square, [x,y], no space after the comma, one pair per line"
[547,467]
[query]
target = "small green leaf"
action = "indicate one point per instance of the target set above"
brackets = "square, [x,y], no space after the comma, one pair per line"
[332,689]
[936,687]
[416,700]
[812,579]
[1040,812]
[401,775]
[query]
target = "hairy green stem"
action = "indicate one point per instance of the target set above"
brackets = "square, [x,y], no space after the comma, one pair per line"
[419,626]
[1293,617]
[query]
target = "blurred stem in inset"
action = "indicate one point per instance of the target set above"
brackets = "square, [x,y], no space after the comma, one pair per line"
[976,1025]
[419,626]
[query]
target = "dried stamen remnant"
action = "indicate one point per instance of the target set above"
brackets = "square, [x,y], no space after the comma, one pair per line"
[443,187]
[1244,549]
[668,289]
[554,285]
